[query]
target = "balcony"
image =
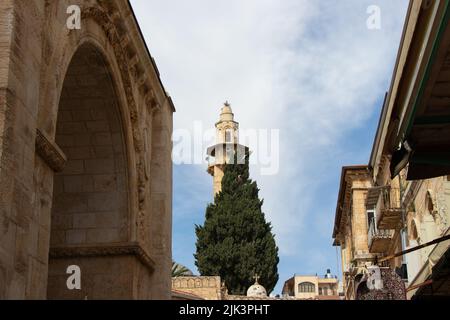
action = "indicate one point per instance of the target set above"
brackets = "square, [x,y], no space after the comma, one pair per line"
[379,239]
[390,213]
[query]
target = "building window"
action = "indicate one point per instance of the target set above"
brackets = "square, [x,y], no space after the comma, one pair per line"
[306,287]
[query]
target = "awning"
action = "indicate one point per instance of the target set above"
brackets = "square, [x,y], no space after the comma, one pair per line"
[440,276]
[436,268]
[424,132]
[421,164]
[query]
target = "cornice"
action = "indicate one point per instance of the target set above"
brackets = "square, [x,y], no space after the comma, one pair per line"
[104,250]
[50,152]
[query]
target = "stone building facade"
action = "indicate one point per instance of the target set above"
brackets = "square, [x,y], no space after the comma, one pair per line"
[363,239]
[351,226]
[85,154]
[408,196]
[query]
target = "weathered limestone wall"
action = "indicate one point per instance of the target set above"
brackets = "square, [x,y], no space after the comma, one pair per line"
[23,249]
[359,217]
[352,235]
[102,278]
[160,219]
[432,209]
[118,184]
[208,288]
[427,219]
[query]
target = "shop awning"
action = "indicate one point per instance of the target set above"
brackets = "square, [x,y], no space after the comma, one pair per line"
[424,130]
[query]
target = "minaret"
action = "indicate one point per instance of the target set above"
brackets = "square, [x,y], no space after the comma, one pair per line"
[227,143]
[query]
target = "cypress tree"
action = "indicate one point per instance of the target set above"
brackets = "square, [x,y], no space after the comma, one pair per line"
[235,241]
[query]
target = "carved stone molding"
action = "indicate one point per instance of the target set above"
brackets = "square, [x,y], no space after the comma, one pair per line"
[104,250]
[50,152]
[190,282]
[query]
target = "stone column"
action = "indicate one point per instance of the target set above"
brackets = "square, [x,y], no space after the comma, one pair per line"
[161,203]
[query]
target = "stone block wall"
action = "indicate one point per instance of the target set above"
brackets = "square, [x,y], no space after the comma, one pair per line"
[83,165]
[90,195]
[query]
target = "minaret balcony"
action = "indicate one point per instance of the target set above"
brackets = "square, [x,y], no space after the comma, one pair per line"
[222,149]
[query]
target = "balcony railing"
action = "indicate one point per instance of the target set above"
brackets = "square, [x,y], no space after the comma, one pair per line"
[390,213]
[379,239]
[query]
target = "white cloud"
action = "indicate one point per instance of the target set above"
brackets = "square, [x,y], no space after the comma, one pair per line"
[310,68]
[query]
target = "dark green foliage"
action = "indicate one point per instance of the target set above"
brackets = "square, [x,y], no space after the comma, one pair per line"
[236,242]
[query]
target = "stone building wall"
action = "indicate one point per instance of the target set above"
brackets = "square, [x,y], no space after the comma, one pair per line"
[428,218]
[351,225]
[359,216]
[85,154]
[208,288]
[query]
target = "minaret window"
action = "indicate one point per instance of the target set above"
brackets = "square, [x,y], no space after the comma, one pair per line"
[228,136]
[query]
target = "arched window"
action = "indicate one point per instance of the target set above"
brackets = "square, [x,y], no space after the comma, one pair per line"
[306,287]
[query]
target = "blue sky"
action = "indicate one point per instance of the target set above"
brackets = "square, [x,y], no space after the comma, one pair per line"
[310,68]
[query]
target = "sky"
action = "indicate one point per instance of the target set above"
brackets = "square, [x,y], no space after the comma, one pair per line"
[312,69]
